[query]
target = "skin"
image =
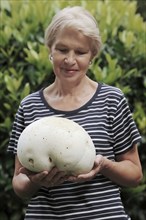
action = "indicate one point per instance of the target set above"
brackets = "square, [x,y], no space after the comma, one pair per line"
[71,55]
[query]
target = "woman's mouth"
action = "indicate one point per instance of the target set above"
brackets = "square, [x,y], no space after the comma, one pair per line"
[70,71]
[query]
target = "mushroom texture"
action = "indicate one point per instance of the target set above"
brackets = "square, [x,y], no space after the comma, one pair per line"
[56,142]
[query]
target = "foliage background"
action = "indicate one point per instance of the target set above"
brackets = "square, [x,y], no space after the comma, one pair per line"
[25,67]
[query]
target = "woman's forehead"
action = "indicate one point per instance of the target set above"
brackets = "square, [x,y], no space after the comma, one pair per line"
[71,36]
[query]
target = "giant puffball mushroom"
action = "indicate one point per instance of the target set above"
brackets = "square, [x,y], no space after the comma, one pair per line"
[56,142]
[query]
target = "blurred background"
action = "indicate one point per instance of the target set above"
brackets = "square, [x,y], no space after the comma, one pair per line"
[25,67]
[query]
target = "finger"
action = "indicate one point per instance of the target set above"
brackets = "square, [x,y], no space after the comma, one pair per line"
[72,178]
[57,182]
[25,171]
[83,177]
[61,180]
[39,177]
[99,160]
[58,178]
[52,172]
[91,174]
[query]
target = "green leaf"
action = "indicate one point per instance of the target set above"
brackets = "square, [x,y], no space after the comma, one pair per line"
[12,83]
[5,4]
[25,91]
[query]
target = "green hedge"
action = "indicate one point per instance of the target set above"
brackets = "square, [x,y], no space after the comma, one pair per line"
[25,68]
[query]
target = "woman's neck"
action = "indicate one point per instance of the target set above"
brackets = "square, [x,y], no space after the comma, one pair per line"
[72,89]
[64,97]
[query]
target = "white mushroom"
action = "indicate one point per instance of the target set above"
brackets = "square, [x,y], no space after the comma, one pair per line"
[56,142]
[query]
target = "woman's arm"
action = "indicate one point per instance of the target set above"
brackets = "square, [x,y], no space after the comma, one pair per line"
[125,171]
[22,185]
[26,184]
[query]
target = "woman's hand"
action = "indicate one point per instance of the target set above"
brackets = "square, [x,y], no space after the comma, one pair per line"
[27,183]
[98,164]
[45,178]
[56,177]
[126,170]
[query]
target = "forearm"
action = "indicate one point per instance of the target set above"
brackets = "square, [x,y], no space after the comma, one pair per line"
[23,187]
[124,173]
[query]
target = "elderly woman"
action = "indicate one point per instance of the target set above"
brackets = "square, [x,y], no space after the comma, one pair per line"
[73,40]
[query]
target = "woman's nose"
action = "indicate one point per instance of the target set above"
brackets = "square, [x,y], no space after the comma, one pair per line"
[70,58]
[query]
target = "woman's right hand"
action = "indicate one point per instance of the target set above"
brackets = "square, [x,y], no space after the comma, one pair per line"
[45,178]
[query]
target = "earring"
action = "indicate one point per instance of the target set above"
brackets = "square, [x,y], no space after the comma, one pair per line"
[50,57]
[90,62]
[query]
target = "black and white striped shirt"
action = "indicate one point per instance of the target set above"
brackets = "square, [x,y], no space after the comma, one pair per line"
[107,119]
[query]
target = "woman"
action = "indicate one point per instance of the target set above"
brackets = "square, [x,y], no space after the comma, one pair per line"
[73,40]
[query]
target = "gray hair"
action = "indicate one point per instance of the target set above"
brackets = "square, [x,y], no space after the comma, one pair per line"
[79,19]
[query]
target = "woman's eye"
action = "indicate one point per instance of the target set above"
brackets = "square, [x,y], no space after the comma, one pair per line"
[62,50]
[81,52]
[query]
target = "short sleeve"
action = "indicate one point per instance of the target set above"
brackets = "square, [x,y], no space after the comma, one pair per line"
[17,128]
[125,131]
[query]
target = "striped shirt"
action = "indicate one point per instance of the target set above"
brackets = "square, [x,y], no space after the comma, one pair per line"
[108,120]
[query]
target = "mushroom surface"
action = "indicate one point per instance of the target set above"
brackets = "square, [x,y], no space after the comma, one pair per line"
[56,142]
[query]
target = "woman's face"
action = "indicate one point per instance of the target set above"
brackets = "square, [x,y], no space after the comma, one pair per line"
[71,55]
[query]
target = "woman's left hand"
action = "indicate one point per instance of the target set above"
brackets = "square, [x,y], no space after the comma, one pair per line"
[125,170]
[98,164]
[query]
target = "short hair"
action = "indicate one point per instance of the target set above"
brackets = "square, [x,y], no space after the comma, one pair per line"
[78,18]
